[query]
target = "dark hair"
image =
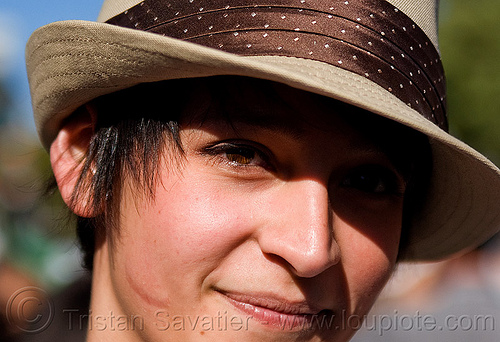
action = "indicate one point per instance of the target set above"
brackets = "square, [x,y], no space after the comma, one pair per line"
[127,143]
[142,123]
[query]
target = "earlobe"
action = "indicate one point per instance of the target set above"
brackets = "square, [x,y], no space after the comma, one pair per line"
[67,157]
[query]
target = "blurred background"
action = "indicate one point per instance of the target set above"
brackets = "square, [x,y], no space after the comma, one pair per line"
[37,245]
[38,256]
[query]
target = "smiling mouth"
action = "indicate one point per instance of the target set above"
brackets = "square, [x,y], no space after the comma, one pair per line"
[281,314]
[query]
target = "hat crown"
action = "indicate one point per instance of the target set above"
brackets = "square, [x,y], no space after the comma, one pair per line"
[422,12]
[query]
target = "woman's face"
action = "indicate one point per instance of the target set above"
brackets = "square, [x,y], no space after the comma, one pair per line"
[281,225]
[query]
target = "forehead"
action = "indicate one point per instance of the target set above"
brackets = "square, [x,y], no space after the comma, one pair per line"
[262,104]
[275,105]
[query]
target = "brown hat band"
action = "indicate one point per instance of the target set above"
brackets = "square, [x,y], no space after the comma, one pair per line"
[371,38]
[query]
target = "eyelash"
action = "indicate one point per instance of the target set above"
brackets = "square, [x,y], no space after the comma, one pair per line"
[223,151]
[374,179]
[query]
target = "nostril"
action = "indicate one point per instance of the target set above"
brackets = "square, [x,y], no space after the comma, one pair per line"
[275,258]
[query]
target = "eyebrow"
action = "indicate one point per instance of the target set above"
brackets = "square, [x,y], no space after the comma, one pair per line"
[256,119]
[270,124]
[402,163]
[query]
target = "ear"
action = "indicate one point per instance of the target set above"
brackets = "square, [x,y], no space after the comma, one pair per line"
[67,154]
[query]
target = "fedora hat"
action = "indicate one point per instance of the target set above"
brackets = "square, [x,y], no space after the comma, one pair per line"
[378,55]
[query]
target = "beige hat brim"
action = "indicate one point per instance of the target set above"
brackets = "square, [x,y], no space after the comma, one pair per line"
[70,63]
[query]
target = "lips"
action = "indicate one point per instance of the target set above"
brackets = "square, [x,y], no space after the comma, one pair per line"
[276,312]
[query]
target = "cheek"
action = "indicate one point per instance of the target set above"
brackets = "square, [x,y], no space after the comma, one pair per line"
[369,253]
[188,231]
[373,229]
[198,221]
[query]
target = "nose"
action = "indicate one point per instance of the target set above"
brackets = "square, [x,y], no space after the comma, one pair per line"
[299,228]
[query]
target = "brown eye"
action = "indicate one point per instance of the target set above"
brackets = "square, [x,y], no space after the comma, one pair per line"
[240,155]
[236,154]
[373,179]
